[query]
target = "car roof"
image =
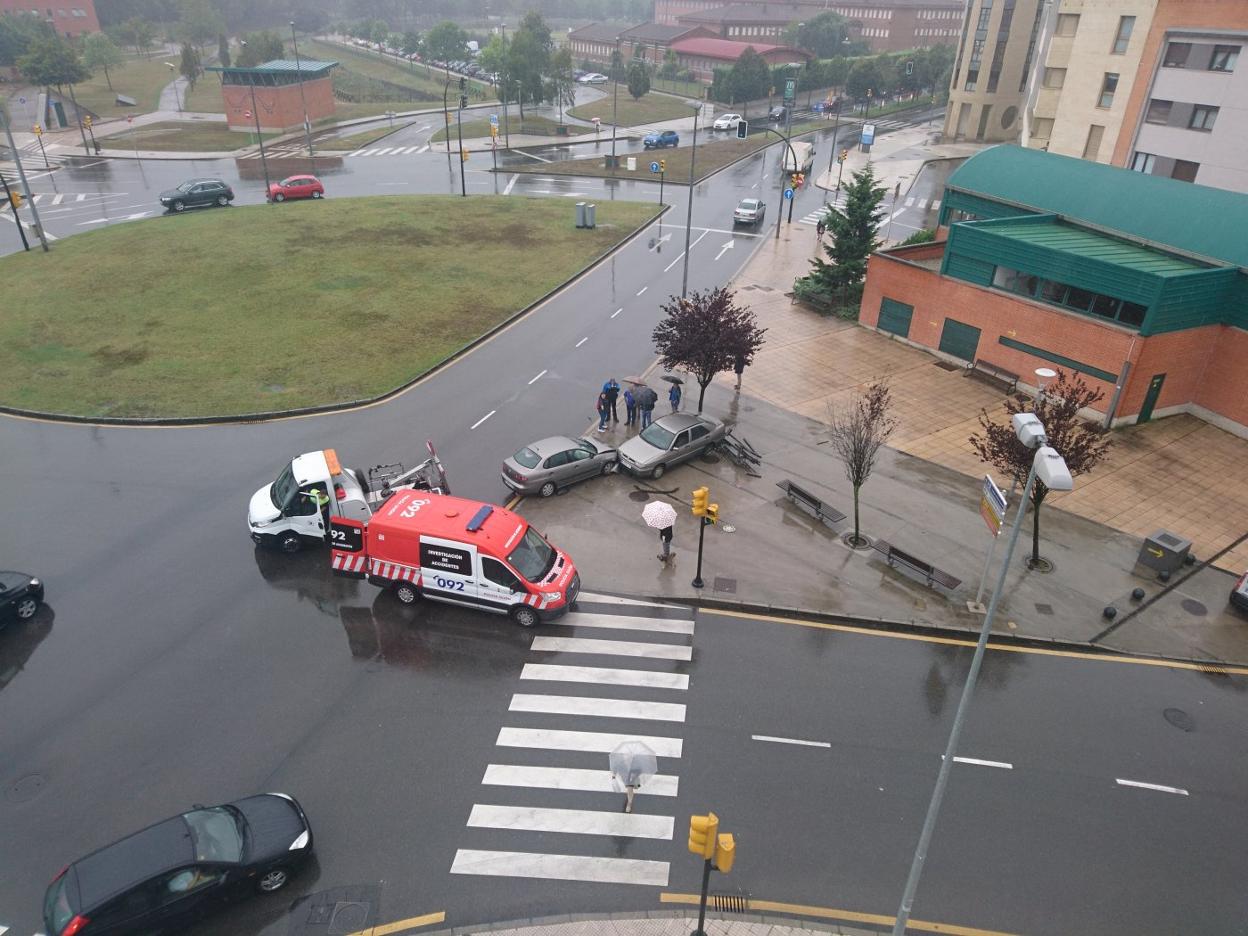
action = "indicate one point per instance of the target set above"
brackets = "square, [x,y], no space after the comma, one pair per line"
[675,422]
[550,446]
[105,873]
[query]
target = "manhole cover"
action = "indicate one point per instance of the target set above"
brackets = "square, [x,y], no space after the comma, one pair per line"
[349,916]
[728,585]
[1193,607]
[27,788]
[1180,719]
[1042,608]
[638,496]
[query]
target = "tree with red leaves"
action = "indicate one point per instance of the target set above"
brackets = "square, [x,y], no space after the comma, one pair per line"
[1081,444]
[706,334]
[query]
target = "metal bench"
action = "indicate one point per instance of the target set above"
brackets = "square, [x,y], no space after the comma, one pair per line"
[930,573]
[809,503]
[993,373]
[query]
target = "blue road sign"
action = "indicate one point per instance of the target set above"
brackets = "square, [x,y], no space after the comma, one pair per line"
[788,193]
[654,167]
[494,119]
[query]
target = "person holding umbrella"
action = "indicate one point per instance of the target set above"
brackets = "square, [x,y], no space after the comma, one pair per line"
[633,400]
[661,516]
[673,395]
[646,400]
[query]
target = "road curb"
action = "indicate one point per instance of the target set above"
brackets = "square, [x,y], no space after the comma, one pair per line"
[273,415]
[759,919]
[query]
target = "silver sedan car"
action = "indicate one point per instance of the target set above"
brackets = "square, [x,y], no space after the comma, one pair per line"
[552,464]
[669,441]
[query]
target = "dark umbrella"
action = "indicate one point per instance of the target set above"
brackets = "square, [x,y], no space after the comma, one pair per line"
[670,379]
[634,380]
[647,396]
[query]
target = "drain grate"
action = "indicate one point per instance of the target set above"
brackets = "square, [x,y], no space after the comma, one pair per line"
[1212,669]
[728,585]
[733,903]
[1042,608]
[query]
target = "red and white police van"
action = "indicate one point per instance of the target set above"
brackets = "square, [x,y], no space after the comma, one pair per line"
[458,551]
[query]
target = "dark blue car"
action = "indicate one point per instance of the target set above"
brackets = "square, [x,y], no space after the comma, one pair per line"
[661,139]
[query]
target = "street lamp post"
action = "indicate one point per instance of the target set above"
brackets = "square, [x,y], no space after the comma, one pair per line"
[255,111]
[459,129]
[836,126]
[307,124]
[1048,466]
[693,152]
[176,95]
[615,102]
[446,116]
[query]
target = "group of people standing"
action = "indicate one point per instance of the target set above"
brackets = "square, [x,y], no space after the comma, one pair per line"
[639,404]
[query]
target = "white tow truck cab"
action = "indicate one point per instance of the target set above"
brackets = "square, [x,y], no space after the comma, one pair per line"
[314,487]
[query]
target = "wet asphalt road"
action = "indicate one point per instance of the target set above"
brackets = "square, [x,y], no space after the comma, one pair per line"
[176,664]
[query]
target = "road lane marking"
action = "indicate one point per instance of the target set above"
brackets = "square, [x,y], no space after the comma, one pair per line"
[1152,786]
[642,290]
[57,199]
[572,778]
[599,598]
[763,737]
[626,622]
[595,742]
[616,312]
[691,246]
[727,246]
[571,821]
[605,676]
[537,378]
[596,707]
[981,763]
[561,867]
[511,183]
[398,926]
[482,419]
[582,341]
[651,651]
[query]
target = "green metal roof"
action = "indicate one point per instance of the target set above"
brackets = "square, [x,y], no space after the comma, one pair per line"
[1194,219]
[1083,242]
[279,67]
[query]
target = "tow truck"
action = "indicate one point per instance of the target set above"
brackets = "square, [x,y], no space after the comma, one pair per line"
[288,513]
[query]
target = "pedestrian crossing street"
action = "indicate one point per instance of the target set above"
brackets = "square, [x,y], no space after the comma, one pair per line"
[923,204]
[549,807]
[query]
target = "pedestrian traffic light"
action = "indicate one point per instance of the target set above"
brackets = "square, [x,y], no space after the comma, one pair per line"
[712,513]
[743,129]
[701,496]
[702,831]
[463,101]
[909,68]
[38,130]
[463,83]
[725,853]
[662,165]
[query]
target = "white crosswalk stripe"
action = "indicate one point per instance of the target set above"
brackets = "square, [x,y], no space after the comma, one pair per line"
[604,676]
[627,622]
[600,708]
[556,739]
[597,598]
[561,867]
[612,648]
[572,778]
[571,821]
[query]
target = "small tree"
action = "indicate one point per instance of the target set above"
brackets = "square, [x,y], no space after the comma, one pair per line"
[1081,444]
[223,51]
[199,22]
[671,65]
[705,334]
[857,430]
[749,78]
[189,67]
[638,79]
[562,82]
[259,48]
[51,60]
[853,233]
[446,41]
[141,33]
[99,51]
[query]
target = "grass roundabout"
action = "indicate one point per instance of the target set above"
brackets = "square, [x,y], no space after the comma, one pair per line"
[271,307]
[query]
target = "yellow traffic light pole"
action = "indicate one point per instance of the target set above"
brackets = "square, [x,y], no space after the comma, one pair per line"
[706,841]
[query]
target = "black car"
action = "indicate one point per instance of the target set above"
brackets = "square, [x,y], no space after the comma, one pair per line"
[195,193]
[171,873]
[20,596]
[779,112]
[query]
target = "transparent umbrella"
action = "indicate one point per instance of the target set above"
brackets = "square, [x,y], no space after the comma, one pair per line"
[632,763]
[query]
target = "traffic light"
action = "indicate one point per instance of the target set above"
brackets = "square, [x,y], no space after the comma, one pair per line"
[701,497]
[38,130]
[793,180]
[662,165]
[743,129]
[799,179]
[844,156]
[87,120]
[702,832]
[909,69]
[725,853]
[712,513]
[463,101]
[463,83]
[463,154]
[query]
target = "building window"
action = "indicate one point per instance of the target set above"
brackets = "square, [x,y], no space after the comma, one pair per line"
[1176,54]
[1123,38]
[1108,87]
[1093,144]
[1203,117]
[1069,297]
[1043,128]
[1224,58]
[1053,78]
[1067,24]
[1143,162]
[1184,170]
[1158,111]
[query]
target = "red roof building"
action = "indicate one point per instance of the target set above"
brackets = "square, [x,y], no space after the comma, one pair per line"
[68,21]
[702,55]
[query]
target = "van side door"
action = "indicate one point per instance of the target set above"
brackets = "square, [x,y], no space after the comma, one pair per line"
[448,570]
[499,587]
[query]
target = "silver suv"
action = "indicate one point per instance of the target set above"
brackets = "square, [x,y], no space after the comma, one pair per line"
[749,211]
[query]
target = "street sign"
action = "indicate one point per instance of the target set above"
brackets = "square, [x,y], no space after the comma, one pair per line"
[788,193]
[654,167]
[790,88]
[494,119]
[992,506]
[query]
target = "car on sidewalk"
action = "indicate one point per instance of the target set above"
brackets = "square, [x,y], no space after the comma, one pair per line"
[301,186]
[168,875]
[197,193]
[1239,594]
[20,596]
[726,122]
[749,211]
[668,441]
[660,139]
[553,464]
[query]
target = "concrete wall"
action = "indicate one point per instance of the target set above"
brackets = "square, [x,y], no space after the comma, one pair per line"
[280,107]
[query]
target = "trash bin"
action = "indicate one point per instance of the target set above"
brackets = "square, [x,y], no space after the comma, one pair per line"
[591,215]
[561,130]
[580,214]
[1164,552]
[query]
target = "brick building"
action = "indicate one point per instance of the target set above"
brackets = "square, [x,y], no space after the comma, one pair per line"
[279,100]
[1136,282]
[701,56]
[69,21]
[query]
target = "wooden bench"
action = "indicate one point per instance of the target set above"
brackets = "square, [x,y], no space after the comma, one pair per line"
[809,503]
[993,373]
[931,574]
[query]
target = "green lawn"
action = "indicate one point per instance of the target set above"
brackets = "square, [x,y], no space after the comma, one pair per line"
[141,79]
[648,109]
[264,307]
[198,136]
[205,97]
[383,68]
[357,140]
[535,125]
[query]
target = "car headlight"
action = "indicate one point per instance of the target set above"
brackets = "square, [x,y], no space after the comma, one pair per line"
[300,842]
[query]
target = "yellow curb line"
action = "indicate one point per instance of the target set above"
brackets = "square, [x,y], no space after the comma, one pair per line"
[400,925]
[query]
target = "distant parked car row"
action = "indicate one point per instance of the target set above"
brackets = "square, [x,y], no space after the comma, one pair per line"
[202,193]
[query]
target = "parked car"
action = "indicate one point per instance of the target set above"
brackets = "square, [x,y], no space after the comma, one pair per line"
[20,596]
[195,193]
[593,78]
[726,122]
[300,186]
[749,211]
[1239,594]
[668,441]
[779,112]
[552,464]
[169,874]
[661,139]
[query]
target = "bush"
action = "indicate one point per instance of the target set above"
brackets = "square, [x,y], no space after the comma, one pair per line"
[807,289]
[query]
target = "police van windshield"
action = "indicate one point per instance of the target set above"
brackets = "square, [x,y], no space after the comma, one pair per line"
[533,557]
[285,489]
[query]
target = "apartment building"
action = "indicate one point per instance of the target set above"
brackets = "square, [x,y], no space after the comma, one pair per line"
[68,21]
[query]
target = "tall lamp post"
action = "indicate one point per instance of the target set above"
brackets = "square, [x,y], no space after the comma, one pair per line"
[255,113]
[176,95]
[1048,466]
[446,115]
[307,124]
[615,103]
[684,283]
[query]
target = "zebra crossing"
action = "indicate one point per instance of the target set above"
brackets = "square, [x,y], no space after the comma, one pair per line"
[923,204]
[549,785]
[390,151]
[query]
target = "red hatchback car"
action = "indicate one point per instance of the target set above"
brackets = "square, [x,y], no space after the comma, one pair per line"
[305,186]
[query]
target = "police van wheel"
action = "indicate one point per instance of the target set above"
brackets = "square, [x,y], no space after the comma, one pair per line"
[547,489]
[406,593]
[525,616]
[289,542]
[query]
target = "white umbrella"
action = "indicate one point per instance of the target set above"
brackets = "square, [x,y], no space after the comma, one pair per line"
[659,514]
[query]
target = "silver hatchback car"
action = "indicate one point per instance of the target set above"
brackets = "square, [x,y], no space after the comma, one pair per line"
[551,464]
[669,441]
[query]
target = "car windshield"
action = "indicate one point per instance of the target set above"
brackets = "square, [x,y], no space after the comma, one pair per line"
[587,446]
[285,488]
[527,457]
[533,557]
[659,437]
[749,204]
[56,906]
[216,834]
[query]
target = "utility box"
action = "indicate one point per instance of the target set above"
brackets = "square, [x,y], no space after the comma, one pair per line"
[632,163]
[580,214]
[1164,552]
[591,215]
[610,162]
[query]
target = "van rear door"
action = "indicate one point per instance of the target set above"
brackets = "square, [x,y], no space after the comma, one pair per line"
[447,570]
[347,553]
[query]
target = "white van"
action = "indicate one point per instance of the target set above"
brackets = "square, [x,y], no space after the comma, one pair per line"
[805,153]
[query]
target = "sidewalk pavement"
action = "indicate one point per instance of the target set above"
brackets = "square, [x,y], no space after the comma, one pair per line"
[679,923]
[923,496]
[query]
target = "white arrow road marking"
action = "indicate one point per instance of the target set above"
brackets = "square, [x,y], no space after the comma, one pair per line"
[511,183]
[659,242]
[727,246]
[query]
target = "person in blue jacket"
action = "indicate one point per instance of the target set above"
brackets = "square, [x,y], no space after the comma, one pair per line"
[673,397]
